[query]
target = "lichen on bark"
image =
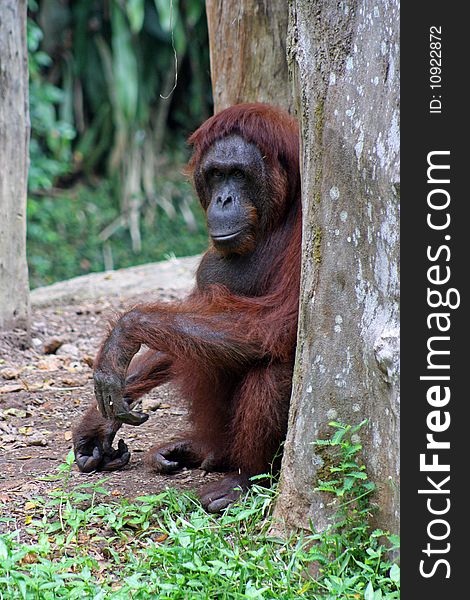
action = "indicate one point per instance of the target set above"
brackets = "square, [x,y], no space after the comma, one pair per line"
[345,59]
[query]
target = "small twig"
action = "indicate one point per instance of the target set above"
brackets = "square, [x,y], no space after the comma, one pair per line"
[174,53]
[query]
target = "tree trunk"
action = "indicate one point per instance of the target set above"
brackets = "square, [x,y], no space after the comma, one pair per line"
[247,41]
[14,140]
[344,57]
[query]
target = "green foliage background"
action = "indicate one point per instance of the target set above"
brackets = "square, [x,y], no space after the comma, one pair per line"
[115,89]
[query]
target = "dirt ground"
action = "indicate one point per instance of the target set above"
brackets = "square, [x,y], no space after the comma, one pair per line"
[46,387]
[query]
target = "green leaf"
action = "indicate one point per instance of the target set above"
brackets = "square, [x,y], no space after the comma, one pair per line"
[135,13]
[359,426]
[184,540]
[369,592]
[395,573]
[166,12]
[358,474]
[252,592]
[194,10]
[179,37]
[3,550]
[124,64]
[338,436]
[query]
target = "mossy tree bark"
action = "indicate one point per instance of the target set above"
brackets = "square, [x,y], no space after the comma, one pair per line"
[14,143]
[247,41]
[344,58]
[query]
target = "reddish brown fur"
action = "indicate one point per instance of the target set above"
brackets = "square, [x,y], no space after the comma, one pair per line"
[232,355]
[265,325]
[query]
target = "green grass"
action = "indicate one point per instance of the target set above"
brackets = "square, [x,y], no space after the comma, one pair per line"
[78,544]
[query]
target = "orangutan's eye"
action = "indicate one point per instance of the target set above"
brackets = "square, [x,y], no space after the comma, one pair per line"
[216,174]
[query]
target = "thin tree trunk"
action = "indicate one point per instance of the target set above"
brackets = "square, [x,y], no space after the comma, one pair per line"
[344,58]
[14,140]
[247,41]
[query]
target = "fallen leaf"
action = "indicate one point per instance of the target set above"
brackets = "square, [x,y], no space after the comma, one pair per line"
[26,430]
[68,436]
[49,363]
[150,404]
[51,346]
[88,360]
[70,382]
[15,412]
[36,441]
[30,558]
[10,373]
[8,389]
[30,505]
